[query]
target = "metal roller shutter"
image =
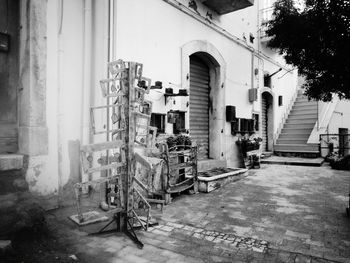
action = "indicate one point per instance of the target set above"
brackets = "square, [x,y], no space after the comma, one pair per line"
[264,123]
[199,105]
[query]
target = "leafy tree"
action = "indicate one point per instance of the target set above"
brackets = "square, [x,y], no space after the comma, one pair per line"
[316,40]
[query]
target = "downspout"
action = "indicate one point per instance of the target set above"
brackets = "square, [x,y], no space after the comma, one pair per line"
[86,89]
[59,99]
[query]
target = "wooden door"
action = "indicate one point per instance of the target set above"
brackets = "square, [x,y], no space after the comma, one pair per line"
[9,24]
[199,105]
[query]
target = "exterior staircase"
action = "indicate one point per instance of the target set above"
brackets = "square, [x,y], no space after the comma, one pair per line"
[293,138]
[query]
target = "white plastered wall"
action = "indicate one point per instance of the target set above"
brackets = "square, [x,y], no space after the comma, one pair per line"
[153,32]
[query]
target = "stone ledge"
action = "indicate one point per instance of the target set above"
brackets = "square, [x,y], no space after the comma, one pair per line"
[11,162]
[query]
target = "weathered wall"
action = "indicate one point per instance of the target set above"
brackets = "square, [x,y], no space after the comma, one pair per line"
[77,49]
[142,37]
[72,59]
[55,79]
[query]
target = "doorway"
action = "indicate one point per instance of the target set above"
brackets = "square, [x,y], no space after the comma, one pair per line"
[267,121]
[199,105]
[343,142]
[9,75]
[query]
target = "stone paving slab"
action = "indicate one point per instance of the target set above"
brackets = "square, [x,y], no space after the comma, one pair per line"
[299,210]
[275,214]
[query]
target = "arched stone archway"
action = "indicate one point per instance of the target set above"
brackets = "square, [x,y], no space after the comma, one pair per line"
[207,52]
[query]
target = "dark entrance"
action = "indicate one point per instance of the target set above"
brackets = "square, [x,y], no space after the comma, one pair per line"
[199,105]
[267,121]
[9,75]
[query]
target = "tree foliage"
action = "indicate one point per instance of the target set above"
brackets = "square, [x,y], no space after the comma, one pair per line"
[316,40]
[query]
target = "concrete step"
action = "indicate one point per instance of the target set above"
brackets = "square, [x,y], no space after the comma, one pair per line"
[304,107]
[302,115]
[293,161]
[299,125]
[304,136]
[296,147]
[12,174]
[301,120]
[303,111]
[292,140]
[293,131]
[305,103]
[11,162]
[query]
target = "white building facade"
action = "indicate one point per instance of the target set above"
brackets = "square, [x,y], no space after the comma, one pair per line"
[219,59]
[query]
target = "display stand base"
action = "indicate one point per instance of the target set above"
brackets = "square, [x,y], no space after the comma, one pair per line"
[123,224]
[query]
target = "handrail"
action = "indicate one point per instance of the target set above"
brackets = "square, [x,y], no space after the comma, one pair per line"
[285,116]
[324,114]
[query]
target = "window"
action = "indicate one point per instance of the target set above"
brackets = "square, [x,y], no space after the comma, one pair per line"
[267,80]
[158,120]
[256,121]
[179,125]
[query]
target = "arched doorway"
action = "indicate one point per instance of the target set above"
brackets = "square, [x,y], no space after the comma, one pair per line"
[199,104]
[267,121]
[210,62]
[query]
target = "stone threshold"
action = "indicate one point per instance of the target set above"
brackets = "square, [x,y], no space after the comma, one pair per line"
[280,160]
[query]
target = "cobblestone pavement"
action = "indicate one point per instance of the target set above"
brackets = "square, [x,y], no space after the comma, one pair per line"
[275,214]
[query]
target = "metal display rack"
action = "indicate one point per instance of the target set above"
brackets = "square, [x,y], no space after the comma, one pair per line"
[128,119]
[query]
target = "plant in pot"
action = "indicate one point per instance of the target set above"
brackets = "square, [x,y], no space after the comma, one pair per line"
[171,142]
[180,141]
[188,141]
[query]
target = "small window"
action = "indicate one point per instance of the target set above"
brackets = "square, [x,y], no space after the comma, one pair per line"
[179,125]
[158,120]
[280,100]
[267,80]
[256,122]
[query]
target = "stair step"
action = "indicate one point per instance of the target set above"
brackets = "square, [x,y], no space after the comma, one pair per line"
[296,147]
[291,141]
[305,103]
[301,120]
[297,130]
[303,111]
[304,107]
[302,114]
[11,162]
[295,135]
[299,125]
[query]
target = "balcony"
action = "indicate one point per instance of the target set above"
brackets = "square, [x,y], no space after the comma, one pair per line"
[227,6]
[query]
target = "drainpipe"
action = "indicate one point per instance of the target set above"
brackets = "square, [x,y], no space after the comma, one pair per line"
[59,100]
[86,89]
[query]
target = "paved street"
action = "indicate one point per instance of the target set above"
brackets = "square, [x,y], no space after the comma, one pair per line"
[275,214]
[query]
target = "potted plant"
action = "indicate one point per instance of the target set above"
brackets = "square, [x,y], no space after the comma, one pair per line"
[171,142]
[188,141]
[180,141]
